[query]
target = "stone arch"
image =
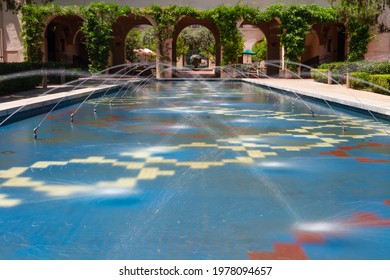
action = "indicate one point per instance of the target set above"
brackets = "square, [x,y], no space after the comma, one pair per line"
[189,21]
[121,28]
[311,56]
[60,44]
[325,43]
[272,32]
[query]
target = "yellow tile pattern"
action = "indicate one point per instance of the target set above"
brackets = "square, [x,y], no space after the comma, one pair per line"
[45,164]
[5,201]
[12,172]
[248,149]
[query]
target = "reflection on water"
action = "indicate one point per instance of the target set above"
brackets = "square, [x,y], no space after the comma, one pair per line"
[196,170]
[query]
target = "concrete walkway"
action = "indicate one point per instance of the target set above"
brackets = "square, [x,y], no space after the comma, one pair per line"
[39,98]
[374,102]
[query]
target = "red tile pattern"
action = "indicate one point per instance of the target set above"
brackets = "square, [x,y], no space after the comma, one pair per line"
[341,152]
[294,250]
[282,251]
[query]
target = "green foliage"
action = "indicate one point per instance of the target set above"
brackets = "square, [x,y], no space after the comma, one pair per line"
[133,41]
[360,36]
[181,46]
[33,27]
[22,82]
[199,40]
[260,48]
[16,5]
[381,80]
[149,40]
[97,28]
[359,17]
[231,38]
[296,21]
[166,18]
[359,80]
[379,83]
[319,75]
[359,66]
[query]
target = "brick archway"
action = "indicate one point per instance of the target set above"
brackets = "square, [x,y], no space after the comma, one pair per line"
[188,21]
[121,28]
[60,45]
[272,32]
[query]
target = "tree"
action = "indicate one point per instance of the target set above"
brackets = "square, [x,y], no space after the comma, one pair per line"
[133,41]
[148,39]
[196,40]
[16,5]
[260,48]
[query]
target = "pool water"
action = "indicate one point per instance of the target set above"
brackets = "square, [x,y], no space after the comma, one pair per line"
[196,170]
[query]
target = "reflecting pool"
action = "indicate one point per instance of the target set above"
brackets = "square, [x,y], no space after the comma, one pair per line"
[196,170]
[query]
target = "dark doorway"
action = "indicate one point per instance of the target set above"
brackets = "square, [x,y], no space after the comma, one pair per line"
[51,43]
[341,43]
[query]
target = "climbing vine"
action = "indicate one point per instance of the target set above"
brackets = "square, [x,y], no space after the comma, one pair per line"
[225,18]
[97,28]
[359,18]
[33,27]
[296,22]
[166,19]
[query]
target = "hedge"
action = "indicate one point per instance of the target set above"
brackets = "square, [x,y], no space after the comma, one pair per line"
[382,80]
[361,66]
[22,82]
[360,80]
[379,83]
[319,75]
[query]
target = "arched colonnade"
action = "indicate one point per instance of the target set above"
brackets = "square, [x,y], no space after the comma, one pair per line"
[64,41]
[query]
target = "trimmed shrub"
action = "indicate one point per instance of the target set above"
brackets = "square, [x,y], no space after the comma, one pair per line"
[360,66]
[382,80]
[22,82]
[319,75]
[360,80]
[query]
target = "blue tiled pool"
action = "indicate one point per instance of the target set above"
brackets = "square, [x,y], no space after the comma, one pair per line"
[196,170]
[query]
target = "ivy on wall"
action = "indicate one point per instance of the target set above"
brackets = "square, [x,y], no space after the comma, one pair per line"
[97,28]
[296,22]
[166,19]
[33,27]
[225,18]
[359,18]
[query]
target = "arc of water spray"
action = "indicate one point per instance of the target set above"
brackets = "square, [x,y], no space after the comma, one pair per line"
[125,85]
[61,99]
[353,95]
[270,63]
[35,73]
[92,92]
[296,94]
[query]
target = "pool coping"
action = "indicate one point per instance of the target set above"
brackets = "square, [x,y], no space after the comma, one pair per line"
[28,107]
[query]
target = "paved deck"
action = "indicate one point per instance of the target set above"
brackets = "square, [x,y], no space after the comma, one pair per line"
[374,102]
[38,98]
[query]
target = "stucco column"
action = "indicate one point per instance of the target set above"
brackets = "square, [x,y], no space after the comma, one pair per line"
[274,55]
[164,60]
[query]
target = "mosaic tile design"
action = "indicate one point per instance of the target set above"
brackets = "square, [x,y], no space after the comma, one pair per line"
[196,171]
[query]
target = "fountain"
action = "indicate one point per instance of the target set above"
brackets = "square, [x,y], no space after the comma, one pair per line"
[205,169]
